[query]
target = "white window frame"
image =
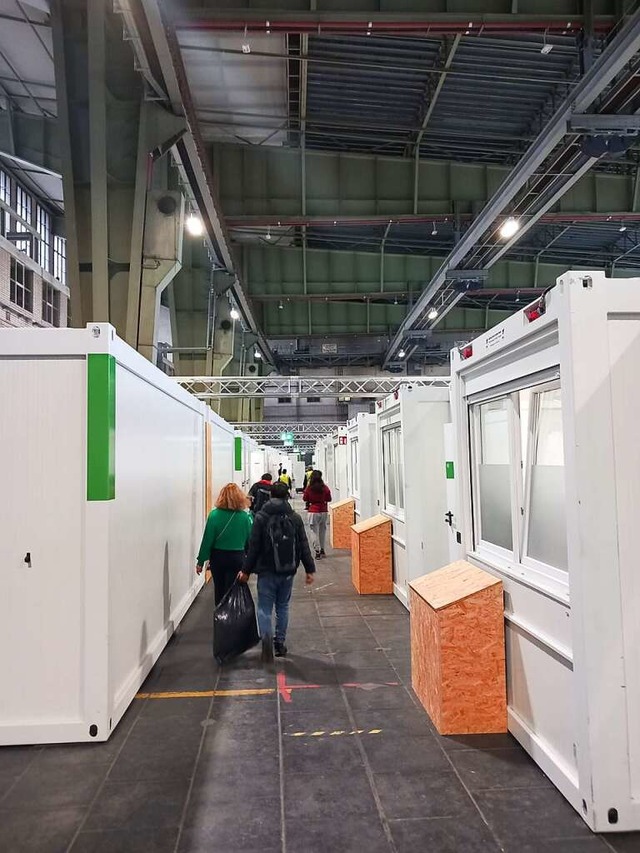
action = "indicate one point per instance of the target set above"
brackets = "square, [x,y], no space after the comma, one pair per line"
[26,285]
[354,471]
[393,469]
[50,304]
[24,209]
[43,227]
[516,563]
[5,196]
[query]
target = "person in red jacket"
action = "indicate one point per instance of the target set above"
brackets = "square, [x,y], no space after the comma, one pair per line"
[317,496]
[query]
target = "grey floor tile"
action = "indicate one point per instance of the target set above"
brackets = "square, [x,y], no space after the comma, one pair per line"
[345,835]
[515,816]
[484,770]
[316,795]
[14,761]
[48,831]
[189,710]
[484,742]
[126,841]
[405,722]
[157,748]
[404,755]
[366,643]
[233,826]
[419,794]
[323,674]
[323,719]
[624,842]
[443,835]
[54,787]
[219,781]
[358,675]
[230,743]
[326,697]
[139,805]
[379,698]
[362,659]
[559,845]
[326,754]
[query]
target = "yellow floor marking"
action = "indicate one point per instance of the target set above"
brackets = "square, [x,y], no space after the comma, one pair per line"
[334,734]
[204,694]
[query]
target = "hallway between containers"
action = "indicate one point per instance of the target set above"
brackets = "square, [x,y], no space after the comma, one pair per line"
[328,752]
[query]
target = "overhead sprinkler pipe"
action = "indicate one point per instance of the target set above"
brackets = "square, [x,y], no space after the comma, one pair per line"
[436,25]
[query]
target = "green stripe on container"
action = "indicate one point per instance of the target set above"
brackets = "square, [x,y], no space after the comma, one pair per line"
[238,453]
[101,427]
[449,469]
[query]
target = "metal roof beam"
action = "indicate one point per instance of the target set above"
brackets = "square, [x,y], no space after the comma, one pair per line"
[610,63]
[32,139]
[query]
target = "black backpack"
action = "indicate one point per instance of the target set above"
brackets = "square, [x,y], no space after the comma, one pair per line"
[282,535]
[262,496]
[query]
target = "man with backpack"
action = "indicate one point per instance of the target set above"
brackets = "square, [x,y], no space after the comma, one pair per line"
[260,493]
[277,546]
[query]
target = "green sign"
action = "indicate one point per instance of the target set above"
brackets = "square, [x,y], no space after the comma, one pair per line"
[449,467]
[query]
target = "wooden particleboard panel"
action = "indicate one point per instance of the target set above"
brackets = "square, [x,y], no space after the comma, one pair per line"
[369,523]
[458,662]
[452,583]
[355,560]
[341,516]
[209,496]
[371,561]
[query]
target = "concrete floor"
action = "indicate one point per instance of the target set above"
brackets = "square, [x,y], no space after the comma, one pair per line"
[330,753]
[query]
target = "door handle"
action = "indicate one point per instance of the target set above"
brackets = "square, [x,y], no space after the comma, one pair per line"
[27,558]
[448,518]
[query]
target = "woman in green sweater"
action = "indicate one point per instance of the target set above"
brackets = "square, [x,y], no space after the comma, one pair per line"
[225,539]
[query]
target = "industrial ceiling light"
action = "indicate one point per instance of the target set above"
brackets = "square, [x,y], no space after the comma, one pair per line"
[257,354]
[546,48]
[280,305]
[194,226]
[433,313]
[268,232]
[435,230]
[623,228]
[509,228]
[401,354]
[234,314]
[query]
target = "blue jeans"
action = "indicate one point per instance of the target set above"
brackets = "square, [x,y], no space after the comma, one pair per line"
[273,590]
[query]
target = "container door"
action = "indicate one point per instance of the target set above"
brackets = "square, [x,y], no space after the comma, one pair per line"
[456,551]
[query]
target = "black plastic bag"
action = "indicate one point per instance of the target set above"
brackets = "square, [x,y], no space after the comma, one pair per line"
[234,624]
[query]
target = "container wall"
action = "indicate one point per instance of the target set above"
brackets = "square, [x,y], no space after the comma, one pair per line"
[156,522]
[42,460]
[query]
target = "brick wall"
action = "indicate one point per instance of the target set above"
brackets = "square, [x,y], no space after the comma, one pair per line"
[13,315]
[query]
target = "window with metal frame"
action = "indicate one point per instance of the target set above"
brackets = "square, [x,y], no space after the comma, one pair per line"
[60,259]
[517,480]
[43,227]
[393,470]
[50,304]
[21,286]
[23,209]
[354,467]
[5,196]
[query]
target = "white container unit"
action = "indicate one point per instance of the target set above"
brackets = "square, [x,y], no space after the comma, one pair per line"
[336,475]
[362,465]
[244,447]
[102,459]
[259,463]
[411,485]
[546,407]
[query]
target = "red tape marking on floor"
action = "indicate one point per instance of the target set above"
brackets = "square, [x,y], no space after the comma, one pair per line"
[283,690]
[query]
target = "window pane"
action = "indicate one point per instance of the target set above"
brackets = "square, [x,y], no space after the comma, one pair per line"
[400,468]
[547,521]
[389,465]
[495,475]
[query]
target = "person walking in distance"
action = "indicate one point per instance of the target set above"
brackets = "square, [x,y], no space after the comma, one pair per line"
[286,479]
[225,539]
[277,546]
[317,496]
[260,493]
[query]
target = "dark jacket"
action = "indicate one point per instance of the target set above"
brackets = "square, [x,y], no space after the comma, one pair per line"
[259,559]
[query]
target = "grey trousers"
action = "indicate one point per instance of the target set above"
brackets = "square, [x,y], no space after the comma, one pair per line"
[318,525]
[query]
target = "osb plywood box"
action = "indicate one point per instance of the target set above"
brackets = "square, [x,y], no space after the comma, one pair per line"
[457,649]
[371,564]
[342,514]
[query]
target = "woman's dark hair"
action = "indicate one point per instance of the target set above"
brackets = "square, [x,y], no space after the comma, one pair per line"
[316,483]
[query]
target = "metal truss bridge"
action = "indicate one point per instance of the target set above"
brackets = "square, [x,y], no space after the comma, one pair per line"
[304,434]
[215,387]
